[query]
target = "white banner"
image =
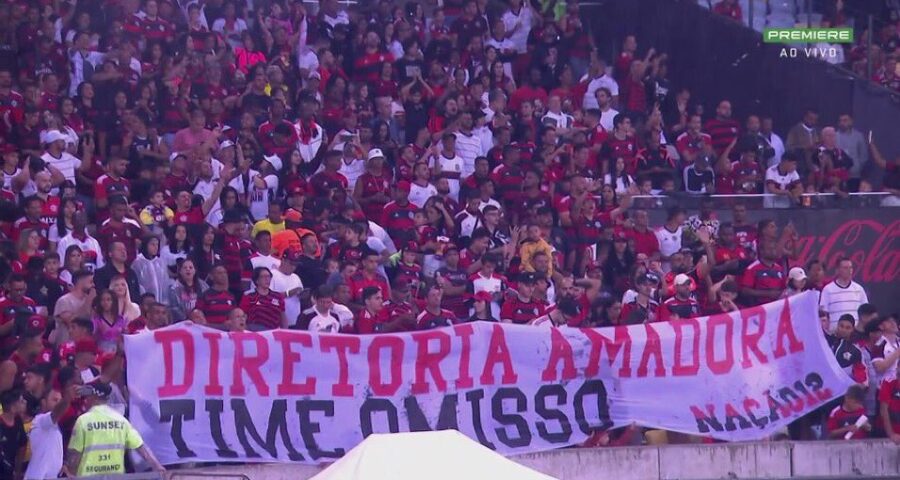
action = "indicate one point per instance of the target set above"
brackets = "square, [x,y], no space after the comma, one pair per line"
[202,395]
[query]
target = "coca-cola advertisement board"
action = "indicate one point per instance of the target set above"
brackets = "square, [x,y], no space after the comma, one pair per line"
[869,236]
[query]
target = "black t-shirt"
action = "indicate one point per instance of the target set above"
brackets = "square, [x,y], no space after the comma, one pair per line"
[416,119]
[12,439]
[694,180]
[311,272]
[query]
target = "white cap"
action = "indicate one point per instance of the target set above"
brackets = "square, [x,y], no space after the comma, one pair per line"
[174,155]
[314,74]
[225,144]
[53,136]
[375,152]
[275,160]
[681,279]
[797,273]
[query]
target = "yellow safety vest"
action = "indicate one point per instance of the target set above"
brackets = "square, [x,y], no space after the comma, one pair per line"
[102,435]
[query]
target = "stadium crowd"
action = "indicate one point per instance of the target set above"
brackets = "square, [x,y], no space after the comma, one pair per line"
[259,165]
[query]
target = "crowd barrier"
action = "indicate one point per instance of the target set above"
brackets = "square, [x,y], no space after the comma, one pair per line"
[761,460]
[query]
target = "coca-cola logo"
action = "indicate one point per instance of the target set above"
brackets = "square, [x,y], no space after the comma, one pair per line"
[871,244]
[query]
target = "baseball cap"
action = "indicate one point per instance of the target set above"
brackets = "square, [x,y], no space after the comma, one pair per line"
[53,136]
[314,75]
[35,325]
[527,278]
[275,160]
[225,144]
[648,278]
[411,246]
[403,186]
[681,279]
[620,236]
[86,345]
[797,273]
[95,389]
[375,152]
[482,297]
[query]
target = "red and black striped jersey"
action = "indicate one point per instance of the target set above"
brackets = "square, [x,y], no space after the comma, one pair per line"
[266,310]
[215,305]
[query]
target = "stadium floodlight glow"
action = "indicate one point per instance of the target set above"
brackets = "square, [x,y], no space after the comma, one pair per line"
[808,35]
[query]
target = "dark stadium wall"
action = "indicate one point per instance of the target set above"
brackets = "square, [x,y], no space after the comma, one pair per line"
[718,58]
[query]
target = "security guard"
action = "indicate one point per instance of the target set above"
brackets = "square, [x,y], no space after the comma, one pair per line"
[102,435]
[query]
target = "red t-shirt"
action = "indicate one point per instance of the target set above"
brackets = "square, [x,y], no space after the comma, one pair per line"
[890,394]
[126,232]
[644,242]
[760,276]
[359,282]
[840,418]
[522,312]
[372,185]
[371,323]
[689,308]
[428,320]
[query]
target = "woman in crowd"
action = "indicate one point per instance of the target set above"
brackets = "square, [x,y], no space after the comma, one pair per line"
[185,290]
[72,262]
[126,308]
[109,324]
[65,221]
[177,247]
[152,270]
[29,246]
[264,308]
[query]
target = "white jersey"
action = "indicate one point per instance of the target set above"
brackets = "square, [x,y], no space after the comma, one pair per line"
[781,181]
[331,322]
[418,195]
[590,96]
[890,346]
[46,448]
[283,284]
[450,165]
[838,300]
[352,171]
[468,148]
[669,242]
[558,120]
[607,117]
[259,197]
[66,164]
[520,25]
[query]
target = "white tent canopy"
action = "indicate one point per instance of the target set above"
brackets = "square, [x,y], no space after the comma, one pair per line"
[440,455]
